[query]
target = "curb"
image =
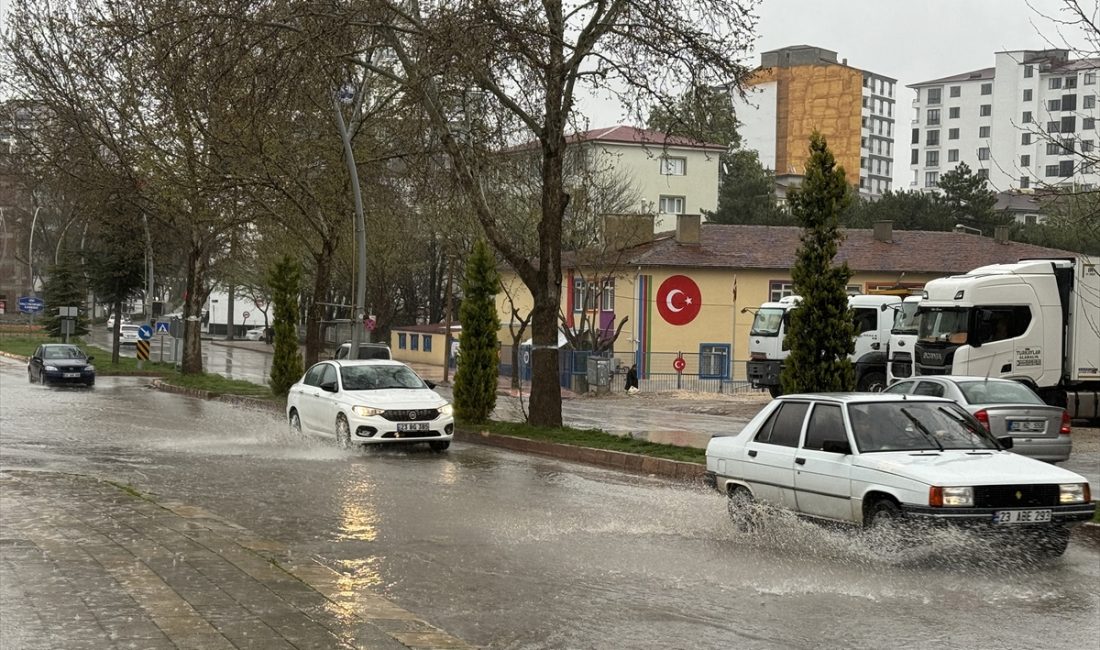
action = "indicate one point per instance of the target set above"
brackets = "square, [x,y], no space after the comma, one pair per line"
[1089,529]
[236,400]
[17,357]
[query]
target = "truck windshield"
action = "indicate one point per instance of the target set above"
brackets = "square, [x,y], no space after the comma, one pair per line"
[905,319]
[937,324]
[767,322]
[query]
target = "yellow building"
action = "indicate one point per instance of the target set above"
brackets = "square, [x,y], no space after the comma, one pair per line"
[421,343]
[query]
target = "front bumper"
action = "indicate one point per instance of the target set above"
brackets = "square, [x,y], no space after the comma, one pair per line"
[375,430]
[764,374]
[1070,514]
[62,377]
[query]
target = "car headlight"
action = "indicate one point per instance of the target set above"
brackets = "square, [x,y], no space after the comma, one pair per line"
[1073,493]
[50,368]
[89,368]
[951,497]
[367,411]
[447,409]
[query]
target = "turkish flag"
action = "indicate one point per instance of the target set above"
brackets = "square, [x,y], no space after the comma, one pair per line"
[679,300]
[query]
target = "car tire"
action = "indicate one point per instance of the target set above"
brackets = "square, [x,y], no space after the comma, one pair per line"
[883,512]
[439,445]
[294,422]
[343,432]
[740,505]
[90,384]
[872,382]
[30,377]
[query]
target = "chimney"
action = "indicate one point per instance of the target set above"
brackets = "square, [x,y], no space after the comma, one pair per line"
[1000,234]
[625,230]
[884,231]
[687,229]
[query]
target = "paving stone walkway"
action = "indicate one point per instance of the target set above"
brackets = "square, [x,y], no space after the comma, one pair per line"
[89,564]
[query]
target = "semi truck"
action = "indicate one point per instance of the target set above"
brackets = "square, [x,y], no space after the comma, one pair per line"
[768,347]
[903,336]
[1036,321]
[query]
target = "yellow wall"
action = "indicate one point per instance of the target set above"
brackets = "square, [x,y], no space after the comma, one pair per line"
[828,98]
[435,357]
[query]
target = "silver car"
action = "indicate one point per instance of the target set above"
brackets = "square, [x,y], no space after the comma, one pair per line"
[1006,408]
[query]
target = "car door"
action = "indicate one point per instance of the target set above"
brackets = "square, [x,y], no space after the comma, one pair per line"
[308,393]
[35,364]
[326,401]
[769,456]
[822,479]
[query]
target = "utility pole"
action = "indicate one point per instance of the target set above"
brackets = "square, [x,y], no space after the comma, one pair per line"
[30,252]
[148,270]
[360,230]
[447,319]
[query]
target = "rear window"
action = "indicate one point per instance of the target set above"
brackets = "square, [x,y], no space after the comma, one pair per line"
[998,392]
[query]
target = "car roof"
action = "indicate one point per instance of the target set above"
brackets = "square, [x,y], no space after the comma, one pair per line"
[852,398]
[958,378]
[366,362]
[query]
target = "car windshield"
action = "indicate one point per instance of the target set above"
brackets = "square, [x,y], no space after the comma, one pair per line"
[379,377]
[998,392]
[365,352]
[943,325]
[905,319]
[915,426]
[62,352]
[767,322]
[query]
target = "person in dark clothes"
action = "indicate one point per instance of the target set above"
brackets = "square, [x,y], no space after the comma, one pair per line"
[632,378]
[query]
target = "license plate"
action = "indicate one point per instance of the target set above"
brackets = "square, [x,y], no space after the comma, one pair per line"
[1031,427]
[403,427]
[1021,516]
[71,375]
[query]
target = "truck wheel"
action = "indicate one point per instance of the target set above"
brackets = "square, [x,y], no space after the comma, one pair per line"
[872,382]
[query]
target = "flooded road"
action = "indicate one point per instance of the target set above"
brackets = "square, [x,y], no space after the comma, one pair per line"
[512,551]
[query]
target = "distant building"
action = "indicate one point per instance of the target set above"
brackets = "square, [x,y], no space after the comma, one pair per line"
[801,88]
[1027,208]
[16,211]
[1029,121]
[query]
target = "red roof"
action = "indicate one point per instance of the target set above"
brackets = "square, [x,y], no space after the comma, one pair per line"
[634,135]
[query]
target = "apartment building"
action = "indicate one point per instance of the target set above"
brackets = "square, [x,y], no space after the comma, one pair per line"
[802,88]
[1027,122]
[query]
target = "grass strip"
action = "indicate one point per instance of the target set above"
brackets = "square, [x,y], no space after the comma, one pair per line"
[593,438]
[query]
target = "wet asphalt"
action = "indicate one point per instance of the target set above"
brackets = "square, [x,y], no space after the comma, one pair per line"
[511,551]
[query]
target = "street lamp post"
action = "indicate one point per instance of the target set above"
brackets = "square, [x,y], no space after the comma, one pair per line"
[30,251]
[360,228]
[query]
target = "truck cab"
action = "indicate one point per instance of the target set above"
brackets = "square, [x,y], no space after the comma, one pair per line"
[767,343]
[903,337]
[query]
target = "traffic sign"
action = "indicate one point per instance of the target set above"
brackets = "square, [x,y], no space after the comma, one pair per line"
[30,304]
[145,332]
[162,327]
[246,315]
[142,349]
[370,323]
[678,364]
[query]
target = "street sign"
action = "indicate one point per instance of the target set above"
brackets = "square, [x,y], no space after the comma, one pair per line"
[678,364]
[370,323]
[68,312]
[145,332]
[31,305]
[246,315]
[162,327]
[142,349]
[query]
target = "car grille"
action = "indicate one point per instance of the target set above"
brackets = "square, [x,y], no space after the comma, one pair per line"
[1016,496]
[410,415]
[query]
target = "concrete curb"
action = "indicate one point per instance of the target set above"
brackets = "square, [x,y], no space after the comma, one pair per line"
[17,357]
[1089,529]
[236,400]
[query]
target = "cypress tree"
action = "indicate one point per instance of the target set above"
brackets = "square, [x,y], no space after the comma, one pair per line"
[475,390]
[284,278]
[821,330]
[63,289]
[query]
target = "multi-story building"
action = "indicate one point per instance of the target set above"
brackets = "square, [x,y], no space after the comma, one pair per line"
[1029,121]
[802,88]
[15,208]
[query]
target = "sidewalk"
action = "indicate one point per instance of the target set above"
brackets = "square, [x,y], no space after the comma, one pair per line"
[88,564]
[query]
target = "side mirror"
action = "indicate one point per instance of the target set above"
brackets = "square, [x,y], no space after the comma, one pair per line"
[836,447]
[431,384]
[1005,442]
[329,386]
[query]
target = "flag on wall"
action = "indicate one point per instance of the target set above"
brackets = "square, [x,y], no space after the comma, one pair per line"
[733,291]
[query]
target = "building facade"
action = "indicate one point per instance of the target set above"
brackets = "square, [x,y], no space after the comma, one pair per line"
[800,89]
[1027,122]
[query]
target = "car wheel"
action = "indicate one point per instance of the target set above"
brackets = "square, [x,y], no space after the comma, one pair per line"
[295,421]
[90,383]
[741,507]
[872,382]
[439,445]
[343,432]
[882,513]
[30,376]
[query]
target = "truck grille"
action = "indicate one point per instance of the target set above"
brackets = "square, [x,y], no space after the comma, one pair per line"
[1016,496]
[410,415]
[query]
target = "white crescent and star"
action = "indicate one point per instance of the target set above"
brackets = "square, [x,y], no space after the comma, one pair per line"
[668,300]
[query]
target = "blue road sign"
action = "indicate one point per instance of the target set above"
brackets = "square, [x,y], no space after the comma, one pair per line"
[145,332]
[30,304]
[162,327]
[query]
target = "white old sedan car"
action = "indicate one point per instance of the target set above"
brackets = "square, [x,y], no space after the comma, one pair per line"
[866,458]
[367,402]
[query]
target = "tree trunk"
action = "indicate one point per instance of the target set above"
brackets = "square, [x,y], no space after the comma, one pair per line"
[230,319]
[321,280]
[192,311]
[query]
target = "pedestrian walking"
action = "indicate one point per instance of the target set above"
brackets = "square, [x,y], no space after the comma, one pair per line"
[632,379]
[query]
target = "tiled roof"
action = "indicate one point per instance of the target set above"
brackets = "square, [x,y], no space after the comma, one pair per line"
[774,247]
[634,135]
[983,74]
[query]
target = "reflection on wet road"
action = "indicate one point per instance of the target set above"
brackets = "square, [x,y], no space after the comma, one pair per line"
[512,551]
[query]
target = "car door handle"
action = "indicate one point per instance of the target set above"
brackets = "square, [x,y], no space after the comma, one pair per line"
[800,461]
[752,453]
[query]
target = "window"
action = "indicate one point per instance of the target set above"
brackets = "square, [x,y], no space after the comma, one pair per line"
[672,205]
[414,341]
[916,136]
[928,389]
[983,153]
[1052,127]
[1065,168]
[427,343]
[1069,124]
[1071,82]
[1090,78]
[952,155]
[579,286]
[1051,170]
[915,158]
[673,166]
[985,110]
[1088,101]
[1054,83]
[865,319]
[932,138]
[933,116]
[932,158]
[952,134]
[826,423]
[1025,160]
[400,340]
[1001,323]
[955,91]
[934,95]
[987,89]
[607,297]
[1025,138]
[983,131]
[1029,71]
[1053,148]
[714,360]
[1054,104]
[328,374]
[931,179]
[953,113]
[1069,102]
[982,173]
[778,289]
[1067,145]
[784,427]
[1027,94]
[1026,119]
[1088,123]
[1024,182]
[1086,146]
[312,378]
[863,163]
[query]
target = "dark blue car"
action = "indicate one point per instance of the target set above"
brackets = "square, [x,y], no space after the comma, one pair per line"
[60,363]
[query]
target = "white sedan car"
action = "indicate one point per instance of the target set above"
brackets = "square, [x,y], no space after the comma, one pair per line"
[368,402]
[254,334]
[864,458]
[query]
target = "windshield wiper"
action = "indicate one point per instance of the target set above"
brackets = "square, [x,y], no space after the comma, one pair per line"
[980,431]
[920,427]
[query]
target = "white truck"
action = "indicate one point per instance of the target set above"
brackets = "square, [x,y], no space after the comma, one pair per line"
[903,336]
[768,346]
[1036,321]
